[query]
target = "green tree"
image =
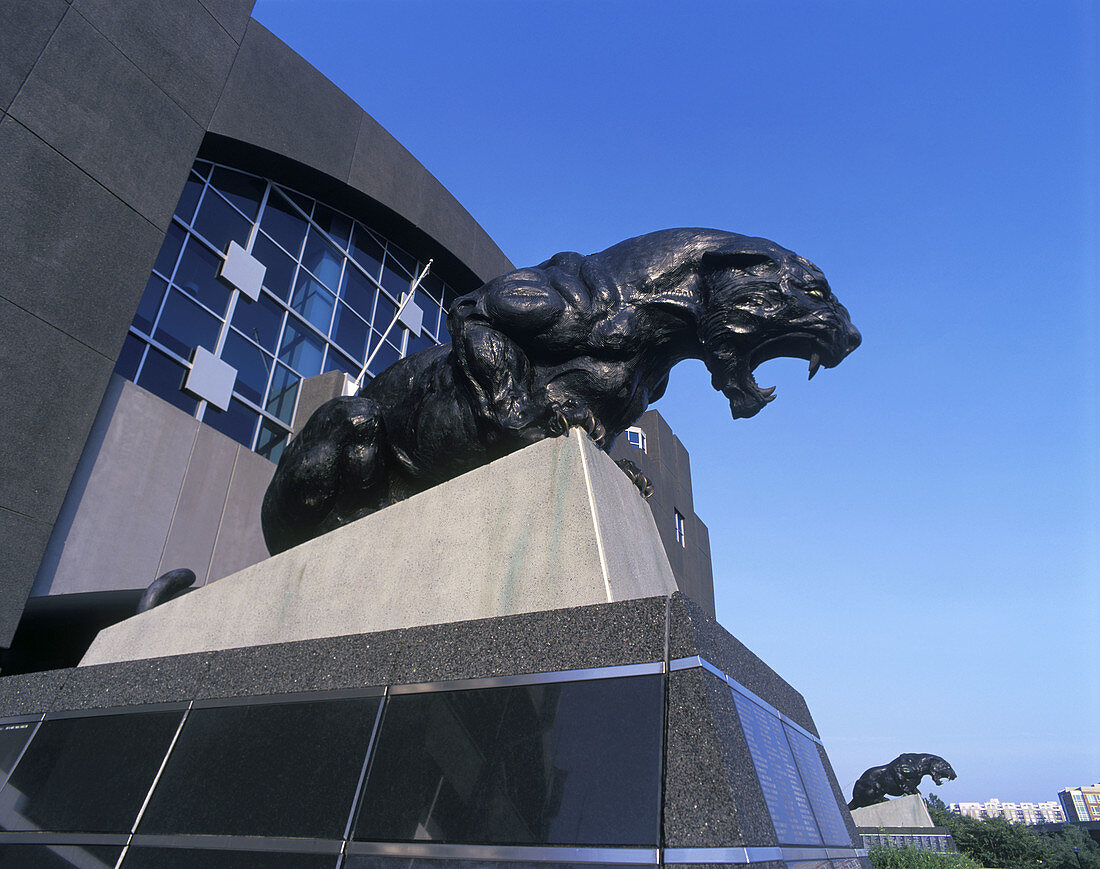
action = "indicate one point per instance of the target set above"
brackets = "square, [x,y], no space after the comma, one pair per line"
[994,842]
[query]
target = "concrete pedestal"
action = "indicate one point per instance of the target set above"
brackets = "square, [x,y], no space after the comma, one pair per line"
[555,525]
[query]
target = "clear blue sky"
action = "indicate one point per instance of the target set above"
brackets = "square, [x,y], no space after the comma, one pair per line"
[910,540]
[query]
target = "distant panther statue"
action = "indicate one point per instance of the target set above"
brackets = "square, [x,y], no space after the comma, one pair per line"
[900,777]
[576,341]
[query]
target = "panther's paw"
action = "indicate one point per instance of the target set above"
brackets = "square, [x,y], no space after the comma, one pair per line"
[636,477]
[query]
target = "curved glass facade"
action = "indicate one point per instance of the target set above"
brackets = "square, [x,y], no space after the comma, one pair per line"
[331,288]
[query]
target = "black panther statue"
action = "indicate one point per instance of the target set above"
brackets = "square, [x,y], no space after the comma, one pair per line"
[900,777]
[576,341]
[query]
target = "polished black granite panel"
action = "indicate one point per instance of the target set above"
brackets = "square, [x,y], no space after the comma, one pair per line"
[818,789]
[87,774]
[13,738]
[778,774]
[59,856]
[278,769]
[188,858]
[574,763]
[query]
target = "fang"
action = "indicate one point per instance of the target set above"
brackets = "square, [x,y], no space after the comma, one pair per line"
[815,364]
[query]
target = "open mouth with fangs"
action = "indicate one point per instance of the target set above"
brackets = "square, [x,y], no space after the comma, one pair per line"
[746,397]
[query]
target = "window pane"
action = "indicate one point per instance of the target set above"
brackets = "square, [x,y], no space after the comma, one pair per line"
[313,301]
[242,190]
[301,350]
[280,267]
[384,312]
[430,307]
[239,422]
[271,441]
[284,394]
[279,769]
[198,274]
[335,361]
[130,357]
[350,332]
[185,326]
[260,320]
[358,292]
[149,305]
[170,250]
[185,210]
[385,357]
[574,763]
[367,251]
[164,377]
[322,259]
[334,223]
[416,344]
[283,224]
[252,364]
[433,286]
[87,775]
[220,224]
[395,279]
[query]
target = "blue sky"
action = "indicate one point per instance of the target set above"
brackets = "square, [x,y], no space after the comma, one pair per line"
[911,539]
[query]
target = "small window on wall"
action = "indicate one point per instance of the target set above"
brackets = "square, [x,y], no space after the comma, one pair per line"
[636,437]
[679,518]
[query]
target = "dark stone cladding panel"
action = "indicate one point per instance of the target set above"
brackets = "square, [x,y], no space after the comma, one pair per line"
[309,665]
[63,230]
[178,44]
[30,693]
[27,27]
[712,797]
[132,683]
[276,102]
[45,373]
[274,99]
[693,632]
[22,542]
[87,100]
[232,15]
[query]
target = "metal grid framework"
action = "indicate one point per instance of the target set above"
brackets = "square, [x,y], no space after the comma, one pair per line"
[332,286]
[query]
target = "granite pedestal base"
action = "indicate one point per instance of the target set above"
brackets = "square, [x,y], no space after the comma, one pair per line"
[635,732]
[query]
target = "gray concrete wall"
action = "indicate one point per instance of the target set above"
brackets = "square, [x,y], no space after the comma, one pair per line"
[668,467]
[154,490]
[105,104]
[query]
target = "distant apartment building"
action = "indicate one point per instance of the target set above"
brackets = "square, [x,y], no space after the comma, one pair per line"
[1015,813]
[1081,804]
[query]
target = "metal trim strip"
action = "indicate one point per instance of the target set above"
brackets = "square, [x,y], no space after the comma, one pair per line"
[613,672]
[519,853]
[723,855]
[21,719]
[175,706]
[39,837]
[291,697]
[239,843]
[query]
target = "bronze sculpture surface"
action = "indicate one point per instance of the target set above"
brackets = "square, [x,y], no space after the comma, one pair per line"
[575,341]
[901,777]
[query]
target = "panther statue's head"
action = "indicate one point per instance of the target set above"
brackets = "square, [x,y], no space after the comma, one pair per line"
[759,302]
[939,769]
